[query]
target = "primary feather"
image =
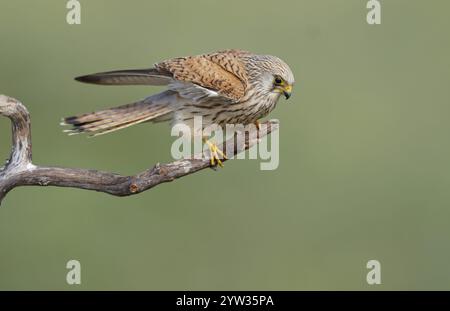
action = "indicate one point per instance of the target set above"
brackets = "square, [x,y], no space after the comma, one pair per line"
[127,77]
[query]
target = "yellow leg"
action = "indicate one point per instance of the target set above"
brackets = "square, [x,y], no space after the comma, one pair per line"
[215,153]
[258,125]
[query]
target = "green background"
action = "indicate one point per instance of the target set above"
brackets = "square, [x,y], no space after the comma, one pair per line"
[364,150]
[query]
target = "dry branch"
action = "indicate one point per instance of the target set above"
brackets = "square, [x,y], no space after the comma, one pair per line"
[19,170]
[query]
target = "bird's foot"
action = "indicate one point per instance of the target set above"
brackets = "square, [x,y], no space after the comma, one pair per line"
[216,155]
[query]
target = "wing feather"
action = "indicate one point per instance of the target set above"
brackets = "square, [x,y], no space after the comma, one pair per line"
[194,91]
[221,75]
[149,76]
[222,72]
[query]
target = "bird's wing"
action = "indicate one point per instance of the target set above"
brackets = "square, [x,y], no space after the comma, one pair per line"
[220,74]
[195,92]
[149,76]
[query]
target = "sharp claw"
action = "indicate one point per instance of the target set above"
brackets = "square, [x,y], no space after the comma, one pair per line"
[221,153]
[214,152]
[219,162]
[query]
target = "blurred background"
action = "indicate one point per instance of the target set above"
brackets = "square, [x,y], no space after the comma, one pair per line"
[364,150]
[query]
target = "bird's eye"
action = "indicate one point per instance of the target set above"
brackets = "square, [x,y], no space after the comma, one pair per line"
[278,80]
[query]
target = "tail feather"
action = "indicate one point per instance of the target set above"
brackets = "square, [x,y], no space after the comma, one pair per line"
[113,119]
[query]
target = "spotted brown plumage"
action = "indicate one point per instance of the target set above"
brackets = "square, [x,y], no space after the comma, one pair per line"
[223,72]
[230,86]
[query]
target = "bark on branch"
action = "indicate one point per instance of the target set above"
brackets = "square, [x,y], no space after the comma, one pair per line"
[19,170]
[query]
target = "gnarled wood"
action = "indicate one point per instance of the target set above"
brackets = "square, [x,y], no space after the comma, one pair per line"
[19,170]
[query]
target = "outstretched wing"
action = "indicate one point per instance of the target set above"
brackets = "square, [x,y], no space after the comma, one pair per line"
[220,74]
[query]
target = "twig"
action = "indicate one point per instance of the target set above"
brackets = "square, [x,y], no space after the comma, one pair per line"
[19,170]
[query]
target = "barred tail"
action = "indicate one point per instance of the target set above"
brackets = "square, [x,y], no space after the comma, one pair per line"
[156,108]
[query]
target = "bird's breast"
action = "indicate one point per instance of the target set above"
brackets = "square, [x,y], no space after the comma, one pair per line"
[245,112]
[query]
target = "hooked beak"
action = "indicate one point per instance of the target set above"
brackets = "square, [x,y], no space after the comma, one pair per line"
[287,91]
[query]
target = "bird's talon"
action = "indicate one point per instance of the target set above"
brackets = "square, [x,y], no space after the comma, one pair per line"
[219,162]
[214,152]
[221,153]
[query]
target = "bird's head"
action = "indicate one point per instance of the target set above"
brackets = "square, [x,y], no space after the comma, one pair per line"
[273,75]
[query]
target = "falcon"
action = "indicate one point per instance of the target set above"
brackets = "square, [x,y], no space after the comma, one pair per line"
[224,87]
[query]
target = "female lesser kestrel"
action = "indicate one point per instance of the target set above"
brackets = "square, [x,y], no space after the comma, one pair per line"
[225,87]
